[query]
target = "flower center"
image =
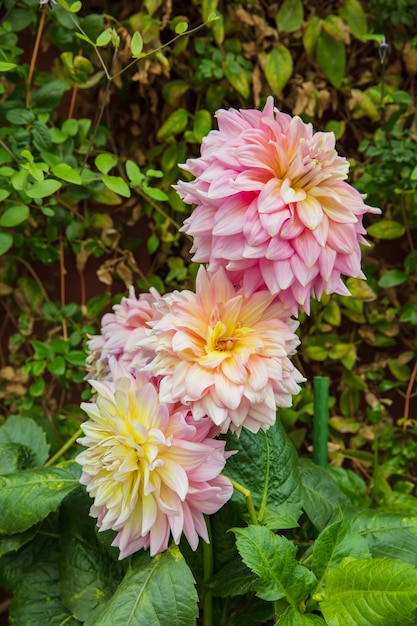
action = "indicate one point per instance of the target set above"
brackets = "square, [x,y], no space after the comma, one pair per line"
[225,344]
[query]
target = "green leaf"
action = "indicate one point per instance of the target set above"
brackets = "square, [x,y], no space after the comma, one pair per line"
[266,464]
[25,431]
[272,558]
[157,591]
[105,37]
[67,173]
[105,196]
[117,184]
[237,77]
[43,188]
[42,350]
[105,162]
[316,353]
[311,34]
[373,592]
[174,125]
[202,124]
[136,44]
[6,242]
[322,495]
[354,16]
[334,543]
[11,543]
[173,90]
[14,458]
[20,117]
[392,278]
[14,215]
[76,357]
[32,577]
[134,174]
[28,497]
[290,16]
[41,136]
[57,366]
[292,617]
[331,55]
[89,575]
[360,290]
[390,535]
[208,7]
[152,243]
[37,388]
[49,96]
[5,66]
[278,68]
[155,193]
[75,7]
[234,579]
[181,28]
[386,229]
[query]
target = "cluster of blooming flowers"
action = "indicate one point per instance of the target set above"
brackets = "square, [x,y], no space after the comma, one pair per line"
[277,224]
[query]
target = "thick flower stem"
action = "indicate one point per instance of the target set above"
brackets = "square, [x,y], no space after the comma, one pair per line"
[321,420]
[208,573]
[249,500]
[64,448]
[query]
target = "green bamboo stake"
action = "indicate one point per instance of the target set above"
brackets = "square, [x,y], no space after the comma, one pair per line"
[321,420]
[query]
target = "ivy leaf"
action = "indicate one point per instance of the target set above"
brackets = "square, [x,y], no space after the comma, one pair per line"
[266,464]
[272,558]
[156,590]
[372,592]
[29,496]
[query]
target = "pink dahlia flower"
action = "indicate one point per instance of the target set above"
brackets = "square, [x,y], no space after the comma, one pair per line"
[152,470]
[273,206]
[224,354]
[120,332]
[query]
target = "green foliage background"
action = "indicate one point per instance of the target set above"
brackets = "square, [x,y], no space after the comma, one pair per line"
[99,104]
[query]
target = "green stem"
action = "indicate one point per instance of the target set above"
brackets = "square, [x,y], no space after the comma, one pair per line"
[321,420]
[64,448]
[249,500]
[208,568]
